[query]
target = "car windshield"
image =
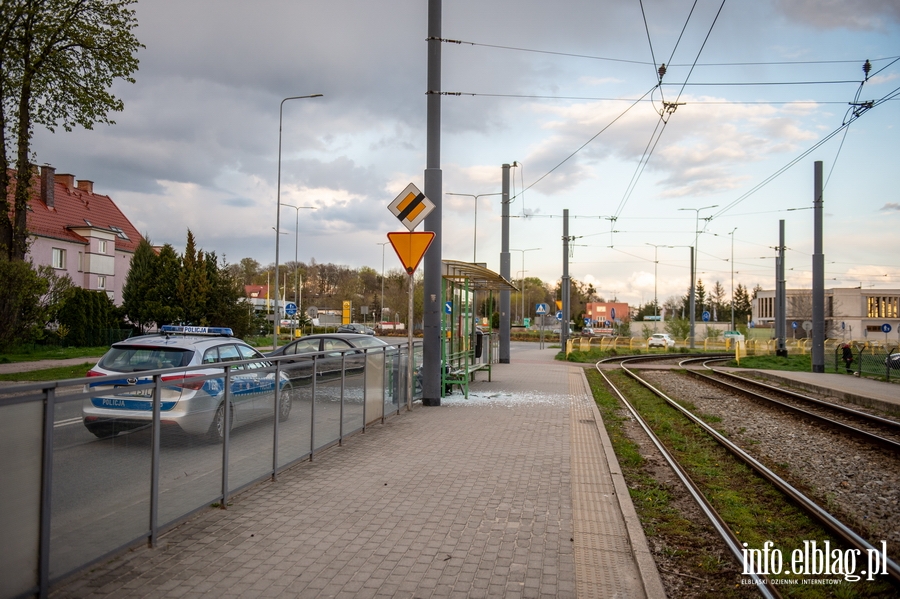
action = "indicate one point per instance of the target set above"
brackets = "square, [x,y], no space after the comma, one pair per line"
[134,358]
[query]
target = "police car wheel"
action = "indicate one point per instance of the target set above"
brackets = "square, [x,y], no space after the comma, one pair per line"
[286,401]
[216,432]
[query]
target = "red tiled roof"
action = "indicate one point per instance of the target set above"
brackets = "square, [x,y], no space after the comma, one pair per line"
[76,208]
[261,291]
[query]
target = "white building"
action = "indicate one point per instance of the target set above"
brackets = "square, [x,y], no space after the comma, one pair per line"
[852,313]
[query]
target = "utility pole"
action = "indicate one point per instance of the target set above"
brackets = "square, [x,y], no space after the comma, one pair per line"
[564,291]
[780,297]
[431,366]
[504,267]
[818,275]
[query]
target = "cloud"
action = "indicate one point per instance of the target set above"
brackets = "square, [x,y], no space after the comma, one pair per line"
[891,206]
[869,15]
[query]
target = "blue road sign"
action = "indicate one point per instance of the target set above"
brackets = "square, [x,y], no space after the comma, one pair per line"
[794,324]
[559,315]
[885,328]
[587,322]
[612,313]
[541,309]
[706,316]
[448,307]
[290,308]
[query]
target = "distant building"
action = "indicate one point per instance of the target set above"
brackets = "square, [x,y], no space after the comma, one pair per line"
[79,233]
[601,313]
[852,313]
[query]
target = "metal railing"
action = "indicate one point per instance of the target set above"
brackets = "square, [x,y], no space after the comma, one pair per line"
[71,499]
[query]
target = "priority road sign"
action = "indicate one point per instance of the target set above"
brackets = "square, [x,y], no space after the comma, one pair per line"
[411,207]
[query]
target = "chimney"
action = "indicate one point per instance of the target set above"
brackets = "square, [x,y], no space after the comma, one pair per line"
[67,180]
[85,185]
[48,182]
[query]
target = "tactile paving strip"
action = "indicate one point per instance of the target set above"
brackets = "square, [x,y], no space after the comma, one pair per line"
[604,562]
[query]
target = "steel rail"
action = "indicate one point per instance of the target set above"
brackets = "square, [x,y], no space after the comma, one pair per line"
[835,526]
[842,426]
[871,418]
[720,526]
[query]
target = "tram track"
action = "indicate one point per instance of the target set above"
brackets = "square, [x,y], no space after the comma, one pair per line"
[836,528]
[876,430]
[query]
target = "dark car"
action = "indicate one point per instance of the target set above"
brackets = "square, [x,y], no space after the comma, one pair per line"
[893,361]
[355,327]
[331,352]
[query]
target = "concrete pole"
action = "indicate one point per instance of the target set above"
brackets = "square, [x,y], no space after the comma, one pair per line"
[693,296]
[564,292]
[431,367]
[818,276]
[780,297]
[504,267]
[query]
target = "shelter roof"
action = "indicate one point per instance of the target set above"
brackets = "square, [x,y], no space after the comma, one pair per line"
[479,277]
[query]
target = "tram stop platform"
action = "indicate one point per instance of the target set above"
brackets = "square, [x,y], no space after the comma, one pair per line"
[513,492]
[861,391]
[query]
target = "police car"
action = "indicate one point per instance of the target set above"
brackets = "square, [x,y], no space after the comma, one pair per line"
[190,399]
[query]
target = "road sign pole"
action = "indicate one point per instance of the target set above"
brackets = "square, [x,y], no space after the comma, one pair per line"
[410,358]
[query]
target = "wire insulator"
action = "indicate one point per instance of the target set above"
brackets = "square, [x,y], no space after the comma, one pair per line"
[867,66]
[662,71]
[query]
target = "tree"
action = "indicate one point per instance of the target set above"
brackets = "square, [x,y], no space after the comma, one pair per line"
[139,283]
[20,296]
[225,306]
[163,304]
[717,301]
[742,305]
[58,59]
[193,283]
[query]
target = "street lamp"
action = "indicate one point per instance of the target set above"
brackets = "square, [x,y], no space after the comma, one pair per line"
[655,267]
[475,231]
[278,213]
[523,277]
[298,294]
[694,264]
[381,314]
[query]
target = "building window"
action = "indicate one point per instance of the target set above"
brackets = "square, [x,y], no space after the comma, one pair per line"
[101,282]
[102,246]
[80,261]
[883,307]
[59,258]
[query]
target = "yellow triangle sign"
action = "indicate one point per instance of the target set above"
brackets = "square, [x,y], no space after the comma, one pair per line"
[410,247]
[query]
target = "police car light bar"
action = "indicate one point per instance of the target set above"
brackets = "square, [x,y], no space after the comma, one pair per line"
[188,330]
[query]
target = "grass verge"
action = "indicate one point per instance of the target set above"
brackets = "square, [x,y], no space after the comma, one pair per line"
[49,374]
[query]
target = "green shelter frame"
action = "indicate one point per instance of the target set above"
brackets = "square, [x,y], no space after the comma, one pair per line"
[461,284]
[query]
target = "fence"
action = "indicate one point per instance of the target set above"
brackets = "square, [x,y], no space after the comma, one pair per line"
[70,499]
[870,359]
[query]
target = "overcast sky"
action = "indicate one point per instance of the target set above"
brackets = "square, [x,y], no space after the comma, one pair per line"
[551,86]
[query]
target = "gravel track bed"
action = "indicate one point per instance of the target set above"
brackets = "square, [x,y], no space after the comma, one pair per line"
[858,483]
[858,423]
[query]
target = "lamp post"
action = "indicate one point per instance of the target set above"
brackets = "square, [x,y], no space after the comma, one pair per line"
[475,230]
[655,267]
[381,314]
[278,212]
[694,258]
[297,292]
[523,277]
